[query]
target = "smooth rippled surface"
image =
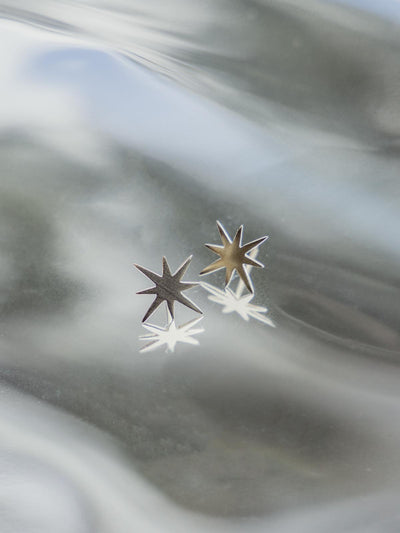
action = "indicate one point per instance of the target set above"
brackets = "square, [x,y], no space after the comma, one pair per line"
[127,129]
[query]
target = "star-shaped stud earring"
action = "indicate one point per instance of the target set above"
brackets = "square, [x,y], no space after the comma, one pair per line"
[233,256]
[168,287]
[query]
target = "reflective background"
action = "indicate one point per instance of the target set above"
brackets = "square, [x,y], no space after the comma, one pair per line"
[127,129]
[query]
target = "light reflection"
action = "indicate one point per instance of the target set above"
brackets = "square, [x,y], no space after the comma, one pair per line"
[171,335]
[232,302]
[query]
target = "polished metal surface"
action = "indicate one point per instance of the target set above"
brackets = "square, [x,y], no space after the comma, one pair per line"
[127,129]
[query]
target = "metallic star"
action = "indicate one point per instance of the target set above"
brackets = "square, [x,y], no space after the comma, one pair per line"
[170,335]
[168,287]
[233,256]
[234,303]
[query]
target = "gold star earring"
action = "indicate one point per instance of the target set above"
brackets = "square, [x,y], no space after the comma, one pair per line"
[233,256]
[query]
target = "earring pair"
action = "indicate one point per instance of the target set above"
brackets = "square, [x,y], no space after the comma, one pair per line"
[168,287]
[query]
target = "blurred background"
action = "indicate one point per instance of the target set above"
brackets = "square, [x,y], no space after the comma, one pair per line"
[127,129]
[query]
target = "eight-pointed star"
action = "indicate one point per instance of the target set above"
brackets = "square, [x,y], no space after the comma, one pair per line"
[233,256]
[168,287]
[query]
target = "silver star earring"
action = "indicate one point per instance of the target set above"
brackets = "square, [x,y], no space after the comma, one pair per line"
[168,287]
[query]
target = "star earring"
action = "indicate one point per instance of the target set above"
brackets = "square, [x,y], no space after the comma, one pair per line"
[233,256]
[169,287]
